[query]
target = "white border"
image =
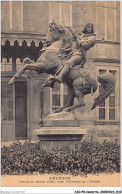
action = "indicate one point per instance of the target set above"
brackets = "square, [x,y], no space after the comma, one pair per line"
[58,189]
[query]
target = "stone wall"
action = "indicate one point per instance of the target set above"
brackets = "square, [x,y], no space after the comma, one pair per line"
[29,21]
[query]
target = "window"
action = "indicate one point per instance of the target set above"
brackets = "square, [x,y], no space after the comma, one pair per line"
[35,14]
[17,15]
[6,101]
[60,12]
[30,16]
[106,20]
[58,96]
[109,109]
[6,66]
[5,15]
[12,15]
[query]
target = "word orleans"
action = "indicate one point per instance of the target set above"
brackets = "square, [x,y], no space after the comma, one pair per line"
[59,178]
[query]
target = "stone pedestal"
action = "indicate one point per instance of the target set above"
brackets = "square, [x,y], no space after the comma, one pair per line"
[60,129]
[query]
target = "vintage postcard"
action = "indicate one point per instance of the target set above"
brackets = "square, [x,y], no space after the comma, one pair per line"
[60,94]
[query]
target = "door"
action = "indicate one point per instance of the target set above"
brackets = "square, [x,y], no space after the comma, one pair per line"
[20,110]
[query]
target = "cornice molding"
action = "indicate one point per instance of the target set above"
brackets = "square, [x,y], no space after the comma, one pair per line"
[104,60]
[107,42]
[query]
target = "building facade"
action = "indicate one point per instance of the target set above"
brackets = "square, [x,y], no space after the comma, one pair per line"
[24,25]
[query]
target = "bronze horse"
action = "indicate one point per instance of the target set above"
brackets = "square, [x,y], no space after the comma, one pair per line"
[78,81]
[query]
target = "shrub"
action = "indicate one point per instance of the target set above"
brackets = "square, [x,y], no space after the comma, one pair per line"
[92,157]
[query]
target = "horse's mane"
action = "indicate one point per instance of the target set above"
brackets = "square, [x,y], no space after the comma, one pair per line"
[68,34]
[67,39]
[65,34]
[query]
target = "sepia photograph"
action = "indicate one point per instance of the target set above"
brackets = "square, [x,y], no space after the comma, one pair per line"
[60,94]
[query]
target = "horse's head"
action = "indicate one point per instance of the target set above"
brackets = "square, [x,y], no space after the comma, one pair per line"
[55,33]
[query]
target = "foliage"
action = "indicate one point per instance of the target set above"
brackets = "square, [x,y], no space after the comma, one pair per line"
[91,157]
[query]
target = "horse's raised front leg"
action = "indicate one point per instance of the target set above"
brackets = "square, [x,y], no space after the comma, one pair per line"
[30,65]
[80,97]
[70,101]
[20,72]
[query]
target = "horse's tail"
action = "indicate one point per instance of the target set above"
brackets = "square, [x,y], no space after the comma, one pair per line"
[86,76]
[107,81]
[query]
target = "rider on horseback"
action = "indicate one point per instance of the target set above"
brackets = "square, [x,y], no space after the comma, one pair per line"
[78,52]
[72,50]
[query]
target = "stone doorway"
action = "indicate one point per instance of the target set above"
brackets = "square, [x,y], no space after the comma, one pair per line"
[21,110]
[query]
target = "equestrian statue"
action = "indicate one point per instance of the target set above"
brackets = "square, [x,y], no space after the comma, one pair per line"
[63,56]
